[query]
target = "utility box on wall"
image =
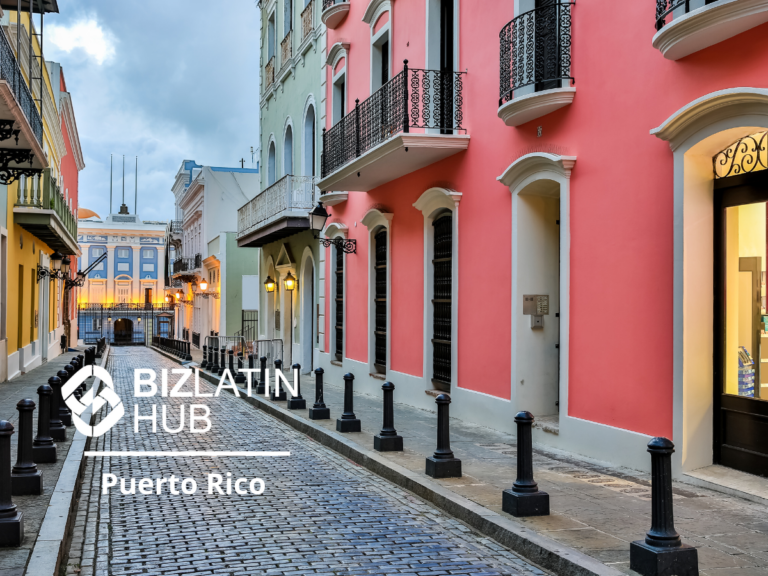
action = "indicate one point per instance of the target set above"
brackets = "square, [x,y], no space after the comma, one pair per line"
[536,306]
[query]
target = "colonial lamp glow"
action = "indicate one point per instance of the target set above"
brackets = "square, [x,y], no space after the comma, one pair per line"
[269,284]
[65,262]
[289,282]
[203,285]
[179,294]
[56,259]
[167,298]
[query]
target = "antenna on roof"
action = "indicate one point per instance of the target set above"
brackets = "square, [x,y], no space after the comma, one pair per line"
[110,183]
[136,180]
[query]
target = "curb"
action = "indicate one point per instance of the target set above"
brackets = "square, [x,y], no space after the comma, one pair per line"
[541,550]
[56,529]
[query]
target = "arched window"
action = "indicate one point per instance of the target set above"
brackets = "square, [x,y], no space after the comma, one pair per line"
[288,151]
[271,161]
[380,51]
[309,142]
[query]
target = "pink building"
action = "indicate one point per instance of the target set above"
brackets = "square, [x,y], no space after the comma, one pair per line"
[539,218]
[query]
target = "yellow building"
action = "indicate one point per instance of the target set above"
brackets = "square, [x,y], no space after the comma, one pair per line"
[39,220]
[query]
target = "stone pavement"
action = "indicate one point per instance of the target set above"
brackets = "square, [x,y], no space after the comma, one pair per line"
[319,514]
[595,509]
[14,560]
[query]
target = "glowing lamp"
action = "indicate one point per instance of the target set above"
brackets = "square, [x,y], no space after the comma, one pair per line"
[203,285]
[269,284]
[289,282]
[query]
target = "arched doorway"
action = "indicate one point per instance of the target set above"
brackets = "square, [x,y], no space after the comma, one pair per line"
[307,287]
[123,331]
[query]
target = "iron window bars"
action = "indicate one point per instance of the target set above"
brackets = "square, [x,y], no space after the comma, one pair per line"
[339,320]
[666,7]
[536,50]
[748,154]
[441,301]
[380,302]
[414,98]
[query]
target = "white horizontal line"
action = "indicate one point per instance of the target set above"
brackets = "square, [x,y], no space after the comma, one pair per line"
[173,454]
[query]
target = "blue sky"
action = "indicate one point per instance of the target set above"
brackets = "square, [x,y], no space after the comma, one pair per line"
[163,80]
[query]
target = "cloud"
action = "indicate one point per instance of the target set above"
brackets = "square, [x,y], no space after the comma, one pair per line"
[85,34]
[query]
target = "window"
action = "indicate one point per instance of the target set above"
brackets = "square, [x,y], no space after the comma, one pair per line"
[271,165]
[288,152]
[147,254]
[380,301]
[339,97]
[287,17]
[97,252]
[98,267]
[309,142]
[442,265]
[122,267]
[271,37]
[148,268]
[339,304]
[97,324]
[123,253]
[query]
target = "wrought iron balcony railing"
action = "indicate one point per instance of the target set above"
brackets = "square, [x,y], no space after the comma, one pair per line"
[286,49]
[42,191]
[536,50]
[187,264]
[675,8]
[175,227]
[11,73]
[328,3]
[307,20]
[290,193]
[269,73]
[427,100]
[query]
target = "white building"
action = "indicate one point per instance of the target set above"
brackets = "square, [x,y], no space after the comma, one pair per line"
[204,239]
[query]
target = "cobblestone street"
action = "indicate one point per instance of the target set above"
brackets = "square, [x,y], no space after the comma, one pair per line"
[319,514]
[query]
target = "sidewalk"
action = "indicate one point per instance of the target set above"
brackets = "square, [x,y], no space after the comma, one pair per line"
[596,510]
[14,560]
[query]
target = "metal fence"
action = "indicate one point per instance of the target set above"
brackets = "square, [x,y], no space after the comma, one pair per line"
[187,264]
[675,9]
[124,324]
[11,73]
[287,194]
[427,100]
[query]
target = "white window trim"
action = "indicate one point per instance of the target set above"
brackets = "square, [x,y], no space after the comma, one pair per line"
[375,219]
[375,37]
[336,230]
[432,203]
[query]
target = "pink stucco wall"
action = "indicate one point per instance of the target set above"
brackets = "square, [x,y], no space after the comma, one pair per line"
[621,223]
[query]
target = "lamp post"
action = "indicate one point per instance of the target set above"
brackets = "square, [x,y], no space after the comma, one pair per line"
[65,267]
[290,285]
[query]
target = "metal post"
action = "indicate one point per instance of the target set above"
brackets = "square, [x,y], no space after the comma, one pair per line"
[525,498]
[281,395]
[188,348]
[357,127]
[215,365]
[11,519]
[223,360]
[297,402]
[406,127]
[662,552]
[25,477]
[81,360]
[43,447]
[348,421]
[319,411]
[204,363]
[65,414]
[443,464]
[388,439]
[231,361]
[262,375]
[240,378]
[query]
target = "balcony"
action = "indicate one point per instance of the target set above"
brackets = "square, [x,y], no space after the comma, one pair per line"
[286,50]
[174,229]
[687,26]
[277,212]
[188,266]
[535,64]
[307,20]
[42,210]
[414,120]
[21,125]
[334,13]
[269,73]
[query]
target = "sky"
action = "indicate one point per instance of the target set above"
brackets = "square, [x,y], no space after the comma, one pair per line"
[164,80]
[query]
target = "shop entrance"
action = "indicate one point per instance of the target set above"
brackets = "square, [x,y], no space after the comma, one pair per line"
[123,332]
[741,339]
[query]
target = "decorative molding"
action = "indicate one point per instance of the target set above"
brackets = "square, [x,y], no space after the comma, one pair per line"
[335,52]
[699,113]
[333,198]
[529,164]
[377,216]
[436,198]
[335,229]
[709,25]
[7,130]
[68,113]
[523,109]
[375,7]
[335,15]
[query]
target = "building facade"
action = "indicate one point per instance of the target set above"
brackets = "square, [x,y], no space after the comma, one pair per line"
[39,160]
[207,262]
[525,248]
[292,114]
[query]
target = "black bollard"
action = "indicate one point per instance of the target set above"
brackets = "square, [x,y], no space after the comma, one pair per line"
[188,351]
[280,396]
[25,477]
[319,411]
[348,421]
[43,447]
[525,498]
[204,363]
[57,428]
[297,402]
[231,353]
[214,364]
[81,360]
[65,414]
[443,464]
[262,375]
[662,552]
[11,519]
[240,378]
[388,440]
[223,361]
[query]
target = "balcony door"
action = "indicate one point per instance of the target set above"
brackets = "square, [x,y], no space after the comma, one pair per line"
[447,65]
[547,56]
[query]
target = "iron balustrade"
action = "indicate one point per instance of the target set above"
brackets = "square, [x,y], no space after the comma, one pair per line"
[42,191]
[536,50]
[329,3]
[307,20]
[676,8]
[426,100]
[187,264]
[269,72]
[290,193]
[175,227]
[11,73]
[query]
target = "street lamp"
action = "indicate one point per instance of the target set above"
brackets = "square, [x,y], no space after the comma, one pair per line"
[269,284]
[56,259]
[179,295]
[290,284]
[167,299]
[203,285]
[318,217]
[65,265]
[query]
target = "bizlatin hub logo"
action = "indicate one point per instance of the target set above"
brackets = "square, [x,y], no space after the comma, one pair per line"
[188,417]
